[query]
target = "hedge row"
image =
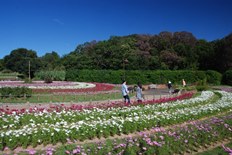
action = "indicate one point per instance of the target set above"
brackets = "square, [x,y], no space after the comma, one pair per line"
[15,92]
[145,77]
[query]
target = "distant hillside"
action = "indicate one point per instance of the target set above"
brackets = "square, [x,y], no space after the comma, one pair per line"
[165,51]
[174,51]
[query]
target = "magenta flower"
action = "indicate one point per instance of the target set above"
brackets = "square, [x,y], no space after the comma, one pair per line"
[227,149]
[31,152]
[157,144]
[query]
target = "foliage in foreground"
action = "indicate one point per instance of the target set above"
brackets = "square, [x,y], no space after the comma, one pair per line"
[53,127]
[179,139]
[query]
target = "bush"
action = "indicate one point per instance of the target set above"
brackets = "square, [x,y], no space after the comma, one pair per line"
[27,80]
[227,78]
[202,85]
[213,77]
[49,76]
[15,92]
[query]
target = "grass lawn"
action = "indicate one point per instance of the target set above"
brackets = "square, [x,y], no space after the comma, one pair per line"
[46,98]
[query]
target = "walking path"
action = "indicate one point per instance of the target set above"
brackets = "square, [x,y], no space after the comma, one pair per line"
[148,95]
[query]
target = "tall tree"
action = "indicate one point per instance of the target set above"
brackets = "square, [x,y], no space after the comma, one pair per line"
[1,64]
[23,61]
[171,59]
[50,61]
[223,49]
[205,54]
[184,37]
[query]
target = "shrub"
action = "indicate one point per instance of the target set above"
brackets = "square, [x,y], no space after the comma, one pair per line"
[227,78]
[49,76]
[27,80]
[202,85]
[15,92]
[213,77]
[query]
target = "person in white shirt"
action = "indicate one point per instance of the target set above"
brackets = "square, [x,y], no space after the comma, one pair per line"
[139,94]
[125,92]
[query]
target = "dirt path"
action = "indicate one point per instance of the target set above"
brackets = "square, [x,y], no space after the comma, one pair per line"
[148,95]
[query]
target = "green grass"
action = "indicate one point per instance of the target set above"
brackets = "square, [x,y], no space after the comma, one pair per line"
[46,98]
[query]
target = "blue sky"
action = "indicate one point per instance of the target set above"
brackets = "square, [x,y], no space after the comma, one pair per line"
[60,25]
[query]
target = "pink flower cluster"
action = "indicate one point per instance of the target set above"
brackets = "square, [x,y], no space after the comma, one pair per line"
[98,88]
[80,107]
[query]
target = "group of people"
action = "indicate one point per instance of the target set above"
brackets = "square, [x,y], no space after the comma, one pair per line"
[125,92]
[139,95]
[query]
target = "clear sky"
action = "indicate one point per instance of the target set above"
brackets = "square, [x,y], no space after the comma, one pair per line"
[61,25]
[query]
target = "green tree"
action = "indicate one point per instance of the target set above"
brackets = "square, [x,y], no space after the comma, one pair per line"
[223,54]
[171,59]
[205,54]
[1,65]
[23,61]
[50,61]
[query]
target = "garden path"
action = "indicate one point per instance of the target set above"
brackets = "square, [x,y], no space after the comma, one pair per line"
[148,95]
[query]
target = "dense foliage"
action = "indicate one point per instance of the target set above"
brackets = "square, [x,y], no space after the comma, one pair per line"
[165,51]
[15,92]
[145,77]
[227,78]
[173,51]
[49,76]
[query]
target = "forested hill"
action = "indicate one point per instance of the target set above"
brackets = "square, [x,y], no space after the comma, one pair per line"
[179,50]
[165,51]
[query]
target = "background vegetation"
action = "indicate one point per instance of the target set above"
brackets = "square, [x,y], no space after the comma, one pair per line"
[165,51]
[145,77]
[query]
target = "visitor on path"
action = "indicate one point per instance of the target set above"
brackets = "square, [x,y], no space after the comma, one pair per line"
[169,87]
[183,83]
[139,94]
[125,92]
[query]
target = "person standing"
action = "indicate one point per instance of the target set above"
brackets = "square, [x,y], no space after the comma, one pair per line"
[125,92]
[139,94]
[169,87]
[183,83]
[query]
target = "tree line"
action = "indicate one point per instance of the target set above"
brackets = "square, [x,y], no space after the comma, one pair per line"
[164,51]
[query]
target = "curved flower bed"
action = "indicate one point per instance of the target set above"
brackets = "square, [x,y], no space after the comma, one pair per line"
[59,86]
[42,85]
[52,127]
[79,107]
[99,87]
[187,138]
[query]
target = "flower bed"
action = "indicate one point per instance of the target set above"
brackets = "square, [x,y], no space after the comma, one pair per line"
[99,87]
[59,107]
[187,138]
[52,127]
[42,85]
[59,86]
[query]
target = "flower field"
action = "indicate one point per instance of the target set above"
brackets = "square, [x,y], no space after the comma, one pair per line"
[61,91]
[176,126]
[59,86]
